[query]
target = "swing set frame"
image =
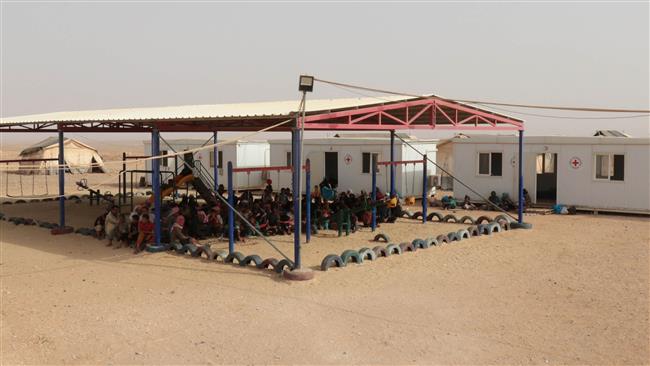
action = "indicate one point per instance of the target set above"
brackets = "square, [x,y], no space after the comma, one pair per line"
[425,184]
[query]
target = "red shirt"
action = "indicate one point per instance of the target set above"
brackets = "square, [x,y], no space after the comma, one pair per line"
[145,227]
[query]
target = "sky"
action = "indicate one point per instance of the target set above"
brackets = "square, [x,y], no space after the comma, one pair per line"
[75,56]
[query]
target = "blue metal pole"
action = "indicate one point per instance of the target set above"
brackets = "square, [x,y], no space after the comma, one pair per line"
[425,188]
[308,198]
[373,196]
[392,160]
[520,218]
[295,184]
[231,212]
[215,159]
[155,183]
[61,181]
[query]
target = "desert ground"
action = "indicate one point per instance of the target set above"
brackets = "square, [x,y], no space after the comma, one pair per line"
[573,290]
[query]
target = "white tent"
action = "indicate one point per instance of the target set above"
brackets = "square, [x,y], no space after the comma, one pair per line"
[78,157]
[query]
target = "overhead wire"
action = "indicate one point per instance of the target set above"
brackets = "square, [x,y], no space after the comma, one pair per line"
[533,106]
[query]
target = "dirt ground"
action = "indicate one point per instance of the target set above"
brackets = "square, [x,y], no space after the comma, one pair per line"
[573,290]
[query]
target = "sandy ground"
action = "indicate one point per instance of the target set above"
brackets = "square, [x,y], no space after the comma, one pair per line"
[574,290]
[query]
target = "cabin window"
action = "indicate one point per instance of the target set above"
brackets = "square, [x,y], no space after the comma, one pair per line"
[490,164]
[609,167]
[164,161]
[219,159]
[545,163]
[367,160]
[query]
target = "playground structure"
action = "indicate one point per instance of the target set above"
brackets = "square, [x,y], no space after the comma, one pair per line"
[231,202]
[392,165]
[389,114]
[20,173]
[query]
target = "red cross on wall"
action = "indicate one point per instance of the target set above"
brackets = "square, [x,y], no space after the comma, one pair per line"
[576,163]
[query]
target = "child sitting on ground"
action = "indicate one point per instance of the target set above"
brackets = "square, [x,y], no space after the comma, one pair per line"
[145,232]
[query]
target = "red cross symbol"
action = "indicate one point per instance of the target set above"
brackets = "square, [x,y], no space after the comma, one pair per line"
[575,163]
[348,159]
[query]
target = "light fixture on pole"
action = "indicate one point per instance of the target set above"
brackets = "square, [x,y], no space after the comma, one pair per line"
[306,83]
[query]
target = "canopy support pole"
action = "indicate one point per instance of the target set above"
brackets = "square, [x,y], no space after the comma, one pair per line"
[61,181]
[392,160]
[215,159]
[155,182]
[520,217]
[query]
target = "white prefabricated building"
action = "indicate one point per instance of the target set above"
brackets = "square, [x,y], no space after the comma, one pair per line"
[241,153]
[599,172]
[348,160]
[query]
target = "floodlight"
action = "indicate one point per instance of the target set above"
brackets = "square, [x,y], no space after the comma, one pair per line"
[306,83]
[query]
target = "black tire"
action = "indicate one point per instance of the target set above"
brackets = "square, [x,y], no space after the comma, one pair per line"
[484,229]
[391,220]
[381,236]
[331,260]
[234,256]
[494,227]
[193,250]
[453,236]
[405,214]
[367,254]
[463,234]
[450,217]
[442,239]
[208,253]
[282,264]
[466,220]
[481,219]
[505,226]
[407,247]
[351,255]
[431,242]
[502,217]
[473,231]
[268,262]
[436,215]
[416,215]
[380,251]
[254,258]
[419,244]
[393,249]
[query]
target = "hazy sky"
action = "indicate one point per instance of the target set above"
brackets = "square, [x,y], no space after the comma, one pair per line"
[75,56]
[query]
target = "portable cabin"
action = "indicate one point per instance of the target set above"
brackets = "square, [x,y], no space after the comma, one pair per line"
[347,160]
[241,153]
[596,172]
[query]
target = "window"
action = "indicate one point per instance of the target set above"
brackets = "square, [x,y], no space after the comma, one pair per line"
[164,161]
[545,163]
[219,159]
[610,167]
[367,160]
[289,162]
[490,164]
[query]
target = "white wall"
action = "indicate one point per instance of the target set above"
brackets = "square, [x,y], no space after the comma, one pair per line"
[241,154]
[574,186]
[350,175]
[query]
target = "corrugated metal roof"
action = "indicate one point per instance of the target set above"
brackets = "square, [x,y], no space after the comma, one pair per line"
[213,111]
[552,140]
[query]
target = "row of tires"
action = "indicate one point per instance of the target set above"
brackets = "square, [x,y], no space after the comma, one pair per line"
[437,217]
[29,222]
[364,254]
[72,197]
[206,252]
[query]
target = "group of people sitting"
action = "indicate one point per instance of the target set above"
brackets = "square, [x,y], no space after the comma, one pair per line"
[271,213]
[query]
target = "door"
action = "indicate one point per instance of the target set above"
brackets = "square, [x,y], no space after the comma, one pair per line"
[530,177]
[546,171]
[332,167]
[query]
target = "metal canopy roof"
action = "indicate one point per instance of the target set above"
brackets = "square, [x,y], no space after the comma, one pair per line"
[392,112]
